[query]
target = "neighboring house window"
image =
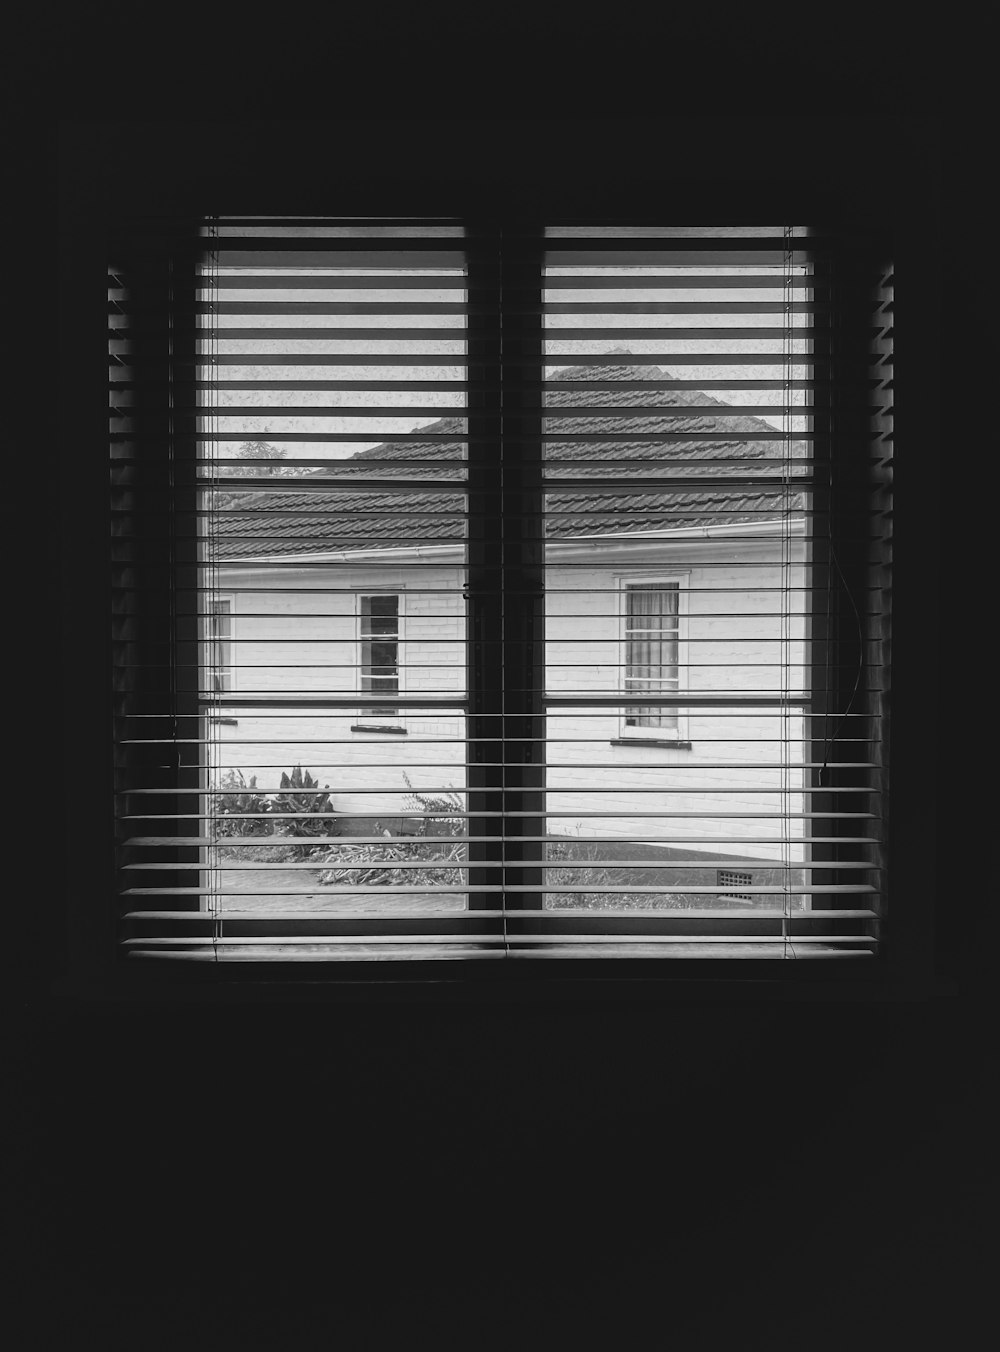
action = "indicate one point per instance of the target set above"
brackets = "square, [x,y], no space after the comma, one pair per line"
[378,665]
[651,663]
[220,641]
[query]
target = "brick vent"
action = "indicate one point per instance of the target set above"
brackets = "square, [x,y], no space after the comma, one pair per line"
[729,878]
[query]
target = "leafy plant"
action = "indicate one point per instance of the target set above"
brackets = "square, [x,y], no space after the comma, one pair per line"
[377,863]
[446,821]
[300,794]
[238,799]
[256,449]
[252,452]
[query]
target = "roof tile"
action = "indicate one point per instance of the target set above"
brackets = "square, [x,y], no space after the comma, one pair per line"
[283,522]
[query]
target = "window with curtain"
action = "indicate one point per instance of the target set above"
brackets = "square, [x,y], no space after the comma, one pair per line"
[652,658]
[637,501]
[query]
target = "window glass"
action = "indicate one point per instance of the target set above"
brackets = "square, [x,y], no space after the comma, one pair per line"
[379,668]
[333,396]
[527,615]
[220,659]
[652,629]
[676,460]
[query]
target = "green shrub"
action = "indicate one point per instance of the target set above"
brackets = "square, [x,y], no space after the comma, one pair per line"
[600,874]
[446,821]
[300,794]
[376,863]
[239,798]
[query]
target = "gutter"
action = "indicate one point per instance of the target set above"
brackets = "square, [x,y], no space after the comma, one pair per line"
[447,553]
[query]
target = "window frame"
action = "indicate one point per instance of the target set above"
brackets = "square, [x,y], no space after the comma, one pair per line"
[680,738]
[915,947]
[366,719]
[223,643]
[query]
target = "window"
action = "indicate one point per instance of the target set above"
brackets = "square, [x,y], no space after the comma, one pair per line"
[220,636]
[621,479]
[652,663]
[379,661]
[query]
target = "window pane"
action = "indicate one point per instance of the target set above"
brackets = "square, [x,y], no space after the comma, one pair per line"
[386,607]
[220,650]
[676,571]
[379,614]
[651,650]
[361,827]
[337,382]
[380,656]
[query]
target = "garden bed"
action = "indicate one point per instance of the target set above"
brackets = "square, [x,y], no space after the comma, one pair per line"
[295,860]
[313,868]
[297,890]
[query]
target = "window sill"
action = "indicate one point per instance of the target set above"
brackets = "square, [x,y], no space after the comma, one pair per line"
[471,980]
[651,741]
[391,731]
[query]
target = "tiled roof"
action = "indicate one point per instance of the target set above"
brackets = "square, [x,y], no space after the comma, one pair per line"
[294,522]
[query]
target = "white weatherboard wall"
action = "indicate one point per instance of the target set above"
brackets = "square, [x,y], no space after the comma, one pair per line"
[753,649]
[307,640]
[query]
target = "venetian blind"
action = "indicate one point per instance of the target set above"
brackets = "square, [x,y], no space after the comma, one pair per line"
[495,591]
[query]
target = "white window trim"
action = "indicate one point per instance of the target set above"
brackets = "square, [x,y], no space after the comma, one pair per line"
[381,722]
[681,579]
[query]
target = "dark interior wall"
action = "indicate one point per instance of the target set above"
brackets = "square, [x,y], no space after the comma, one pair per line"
[561,1173]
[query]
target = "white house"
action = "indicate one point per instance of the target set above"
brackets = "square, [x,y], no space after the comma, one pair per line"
[697,591]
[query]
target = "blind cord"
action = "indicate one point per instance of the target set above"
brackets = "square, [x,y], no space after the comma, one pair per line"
[503,618]
[212,621]
[786,565]
[834,728]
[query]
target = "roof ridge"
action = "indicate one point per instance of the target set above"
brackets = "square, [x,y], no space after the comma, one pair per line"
[584,374]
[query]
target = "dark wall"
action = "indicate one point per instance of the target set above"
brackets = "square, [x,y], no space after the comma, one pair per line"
[560,1173]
